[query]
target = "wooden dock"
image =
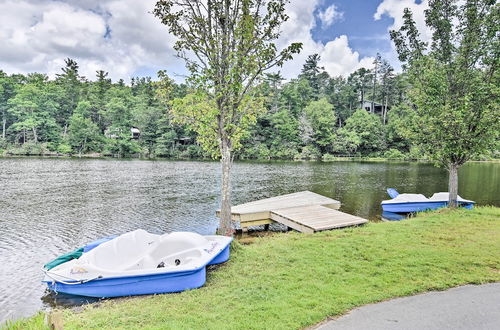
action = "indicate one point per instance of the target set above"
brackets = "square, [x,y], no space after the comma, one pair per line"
[303,211]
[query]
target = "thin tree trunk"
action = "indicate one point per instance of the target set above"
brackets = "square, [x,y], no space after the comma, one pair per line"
[453,185]
[4,123]
[385,109]
[225,225]
[35,136]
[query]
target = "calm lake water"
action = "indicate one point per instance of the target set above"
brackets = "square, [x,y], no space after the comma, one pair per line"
[52,206]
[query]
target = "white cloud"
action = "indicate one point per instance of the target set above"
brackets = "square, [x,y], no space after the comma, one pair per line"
[395,10]
[336,55]
[330,15]
[39,35]
[122,36]
[339,59]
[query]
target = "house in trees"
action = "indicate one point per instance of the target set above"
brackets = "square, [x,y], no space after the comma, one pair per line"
[135,133]
[116,132]
[373,107]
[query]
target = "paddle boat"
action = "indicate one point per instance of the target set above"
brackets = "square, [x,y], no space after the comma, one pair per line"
[407,203]
[137,263]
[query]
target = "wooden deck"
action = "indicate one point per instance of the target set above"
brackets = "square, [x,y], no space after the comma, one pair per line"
[303,211]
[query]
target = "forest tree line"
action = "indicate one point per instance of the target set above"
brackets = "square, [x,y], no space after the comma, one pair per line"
[314,116]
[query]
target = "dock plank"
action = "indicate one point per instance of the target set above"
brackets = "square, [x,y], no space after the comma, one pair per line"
[316,217]
[301,198]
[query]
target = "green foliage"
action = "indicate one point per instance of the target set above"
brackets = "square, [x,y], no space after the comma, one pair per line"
[393,154]
[122,146]
[83,134]
[346,142]
[368,128]
[199,112]
[259,151]
[454,80]
[64,149]
[399,127]
[309,153]
[453,126]
[322,118]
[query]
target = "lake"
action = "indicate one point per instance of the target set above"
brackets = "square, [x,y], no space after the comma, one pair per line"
[52,206]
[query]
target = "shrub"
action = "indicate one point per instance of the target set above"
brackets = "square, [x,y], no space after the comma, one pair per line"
[259,151]
[309,152]
[394,154]
[328,158]
[64,148]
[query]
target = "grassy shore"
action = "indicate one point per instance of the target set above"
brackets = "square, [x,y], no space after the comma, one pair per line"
[292,280]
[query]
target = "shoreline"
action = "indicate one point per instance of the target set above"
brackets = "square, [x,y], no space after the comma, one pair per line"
[330,160]
[328,274]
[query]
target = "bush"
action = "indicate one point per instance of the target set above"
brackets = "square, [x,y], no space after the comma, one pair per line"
[309,152]
[259,151]
[64,149]
[192,151]
[29,149]
[121,147]
[328,158]
[394,154]
[283,152]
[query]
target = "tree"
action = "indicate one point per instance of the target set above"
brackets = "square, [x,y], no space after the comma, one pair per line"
[98,97]
[368,128]
[310,72]
[70,83]
[360,80]
[454,81]
[83,134]
[387,81]
[7,91]
[34,109]
[376,69]
[227,45]
[322,118]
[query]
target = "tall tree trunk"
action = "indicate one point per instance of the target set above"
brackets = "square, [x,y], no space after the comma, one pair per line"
[453,185]
[4,126]
[35,135]
[225,225]
[385,109]
[372,110]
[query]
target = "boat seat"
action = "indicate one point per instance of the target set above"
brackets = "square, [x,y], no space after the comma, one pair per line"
[181,246]
[117,253]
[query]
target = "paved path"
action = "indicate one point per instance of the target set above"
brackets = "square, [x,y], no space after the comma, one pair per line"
[463,308]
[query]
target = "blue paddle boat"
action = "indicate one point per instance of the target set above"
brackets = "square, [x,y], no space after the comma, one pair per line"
[408,203]
[137,263]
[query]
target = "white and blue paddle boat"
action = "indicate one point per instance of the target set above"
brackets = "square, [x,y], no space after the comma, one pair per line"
[408,203]
[137,263]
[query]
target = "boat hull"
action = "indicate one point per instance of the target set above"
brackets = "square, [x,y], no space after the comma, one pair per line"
[141,284]
[134,285]
[419,207]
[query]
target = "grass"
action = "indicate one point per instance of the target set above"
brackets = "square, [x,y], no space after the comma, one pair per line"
[292,280]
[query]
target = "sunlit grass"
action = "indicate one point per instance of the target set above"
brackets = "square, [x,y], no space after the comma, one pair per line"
[292,280]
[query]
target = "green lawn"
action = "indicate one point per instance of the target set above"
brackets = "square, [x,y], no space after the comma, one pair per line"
[293,280]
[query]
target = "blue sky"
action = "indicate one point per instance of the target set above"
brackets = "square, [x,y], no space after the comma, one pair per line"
[124,38]
[366,35]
